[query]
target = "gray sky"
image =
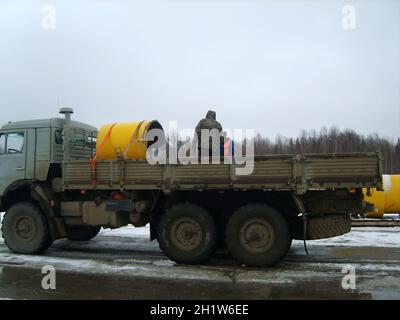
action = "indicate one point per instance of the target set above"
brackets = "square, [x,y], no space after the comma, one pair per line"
[273,66]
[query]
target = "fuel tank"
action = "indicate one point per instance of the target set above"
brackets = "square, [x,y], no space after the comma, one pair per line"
[126,139]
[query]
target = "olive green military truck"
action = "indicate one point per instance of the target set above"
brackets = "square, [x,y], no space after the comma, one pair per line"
[47,193]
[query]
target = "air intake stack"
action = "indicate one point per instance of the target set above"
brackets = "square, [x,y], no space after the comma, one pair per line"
[67,113]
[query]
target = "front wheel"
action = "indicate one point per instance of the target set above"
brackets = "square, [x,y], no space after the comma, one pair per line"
[187,234]
[257,235]
[25,229]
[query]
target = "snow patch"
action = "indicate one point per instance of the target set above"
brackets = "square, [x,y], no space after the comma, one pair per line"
[362,237]
[128,231]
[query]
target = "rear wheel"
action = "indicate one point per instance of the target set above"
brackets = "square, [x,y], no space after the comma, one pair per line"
[187,234]
[81,233]
[257,235]
[25,229]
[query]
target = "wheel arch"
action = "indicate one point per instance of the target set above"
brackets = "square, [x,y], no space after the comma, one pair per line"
[16,192]
[29,191]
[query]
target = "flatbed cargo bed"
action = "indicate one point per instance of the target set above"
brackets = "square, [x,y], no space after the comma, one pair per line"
[297,173]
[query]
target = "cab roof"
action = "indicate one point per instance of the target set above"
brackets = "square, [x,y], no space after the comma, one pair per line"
[46,123]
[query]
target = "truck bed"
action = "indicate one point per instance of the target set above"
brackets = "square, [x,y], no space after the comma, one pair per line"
[298,173]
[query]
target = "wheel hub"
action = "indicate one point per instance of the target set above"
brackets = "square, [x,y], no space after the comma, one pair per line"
[256,235]
[186,234]
[24,228]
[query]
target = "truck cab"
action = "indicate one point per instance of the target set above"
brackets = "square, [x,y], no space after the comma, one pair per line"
[33,151]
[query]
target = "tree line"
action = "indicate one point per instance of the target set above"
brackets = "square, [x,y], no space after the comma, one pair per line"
[333,140]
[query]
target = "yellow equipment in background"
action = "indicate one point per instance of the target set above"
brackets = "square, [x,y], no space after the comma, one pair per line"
[124,139]
[387,201]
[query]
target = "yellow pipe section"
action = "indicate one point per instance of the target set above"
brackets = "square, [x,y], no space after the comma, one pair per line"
[125,139]
[387,201]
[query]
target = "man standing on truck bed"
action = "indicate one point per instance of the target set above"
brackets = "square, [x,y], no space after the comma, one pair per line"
[208,123]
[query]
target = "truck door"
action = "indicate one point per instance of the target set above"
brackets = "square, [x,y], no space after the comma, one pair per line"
[12,157]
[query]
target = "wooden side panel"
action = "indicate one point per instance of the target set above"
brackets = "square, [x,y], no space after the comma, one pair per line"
[277,172]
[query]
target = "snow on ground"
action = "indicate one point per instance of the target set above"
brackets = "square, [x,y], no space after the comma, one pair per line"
[128,231]
[363,237]
[358,237]
[394,216]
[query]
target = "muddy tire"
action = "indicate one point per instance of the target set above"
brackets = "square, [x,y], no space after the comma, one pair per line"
[187,234]
[81,233]
[25,229]
[257,235]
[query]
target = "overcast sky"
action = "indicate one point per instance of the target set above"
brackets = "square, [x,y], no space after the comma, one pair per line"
[273,66]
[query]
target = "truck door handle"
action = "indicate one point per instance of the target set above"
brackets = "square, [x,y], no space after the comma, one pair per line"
[20,168]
